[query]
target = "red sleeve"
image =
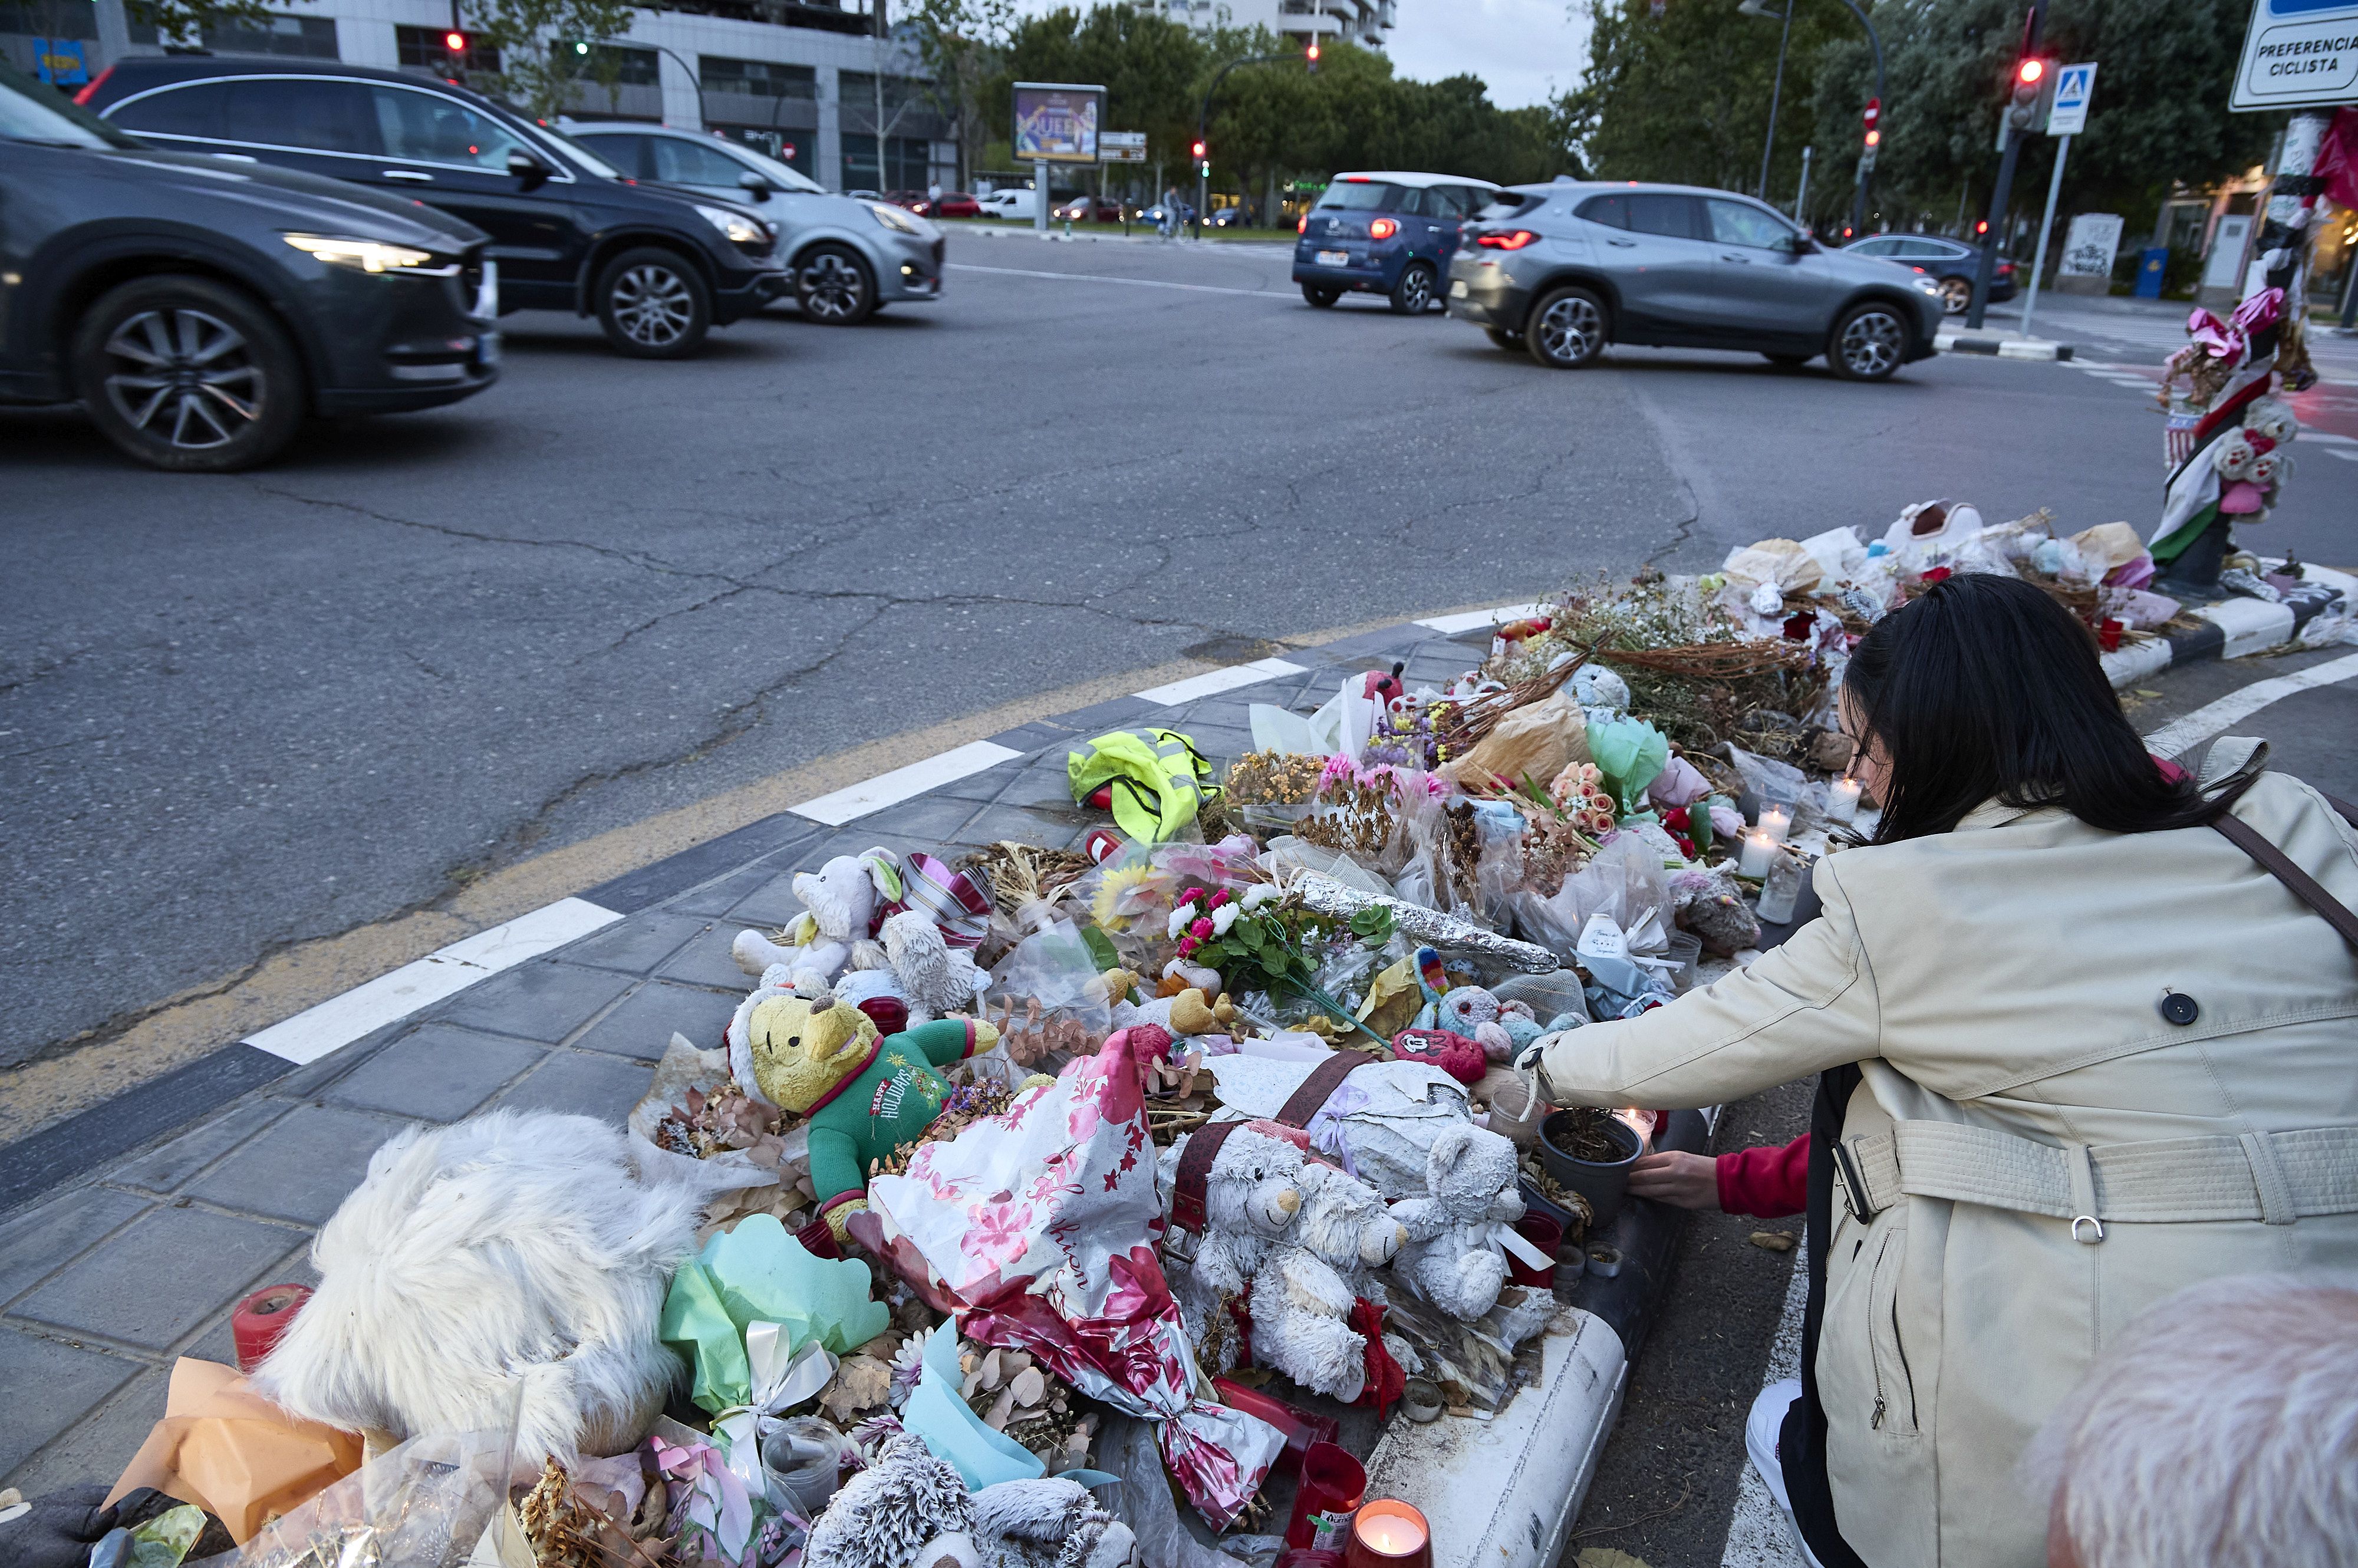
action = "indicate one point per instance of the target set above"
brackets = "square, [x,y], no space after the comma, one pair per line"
[1768,1182]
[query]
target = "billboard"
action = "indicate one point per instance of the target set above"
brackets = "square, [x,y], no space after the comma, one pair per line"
[1056,121]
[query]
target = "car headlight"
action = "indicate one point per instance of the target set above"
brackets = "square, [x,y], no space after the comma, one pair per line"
[740,229]
[370,256]
[1926,285]
[893,218]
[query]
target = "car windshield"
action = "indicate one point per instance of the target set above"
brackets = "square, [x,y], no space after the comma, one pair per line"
[590,162]
[31,112]
[1361,196]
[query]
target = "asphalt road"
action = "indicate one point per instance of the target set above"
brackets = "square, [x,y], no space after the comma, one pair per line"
[242,712]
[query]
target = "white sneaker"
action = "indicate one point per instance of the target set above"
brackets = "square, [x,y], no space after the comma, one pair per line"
[1762,1429]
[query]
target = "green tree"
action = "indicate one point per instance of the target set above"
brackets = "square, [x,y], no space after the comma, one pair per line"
[964,45]
[539,62]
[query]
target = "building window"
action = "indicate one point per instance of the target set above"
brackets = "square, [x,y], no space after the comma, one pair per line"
[858,89]
[908,163]
[49,19]
[757,78]
[302,38]
[796,149]
[421,50]
[617,63]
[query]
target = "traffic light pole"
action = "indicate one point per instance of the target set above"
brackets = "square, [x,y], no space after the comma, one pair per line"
[1204,128]
[2045,225]
[2004,189]
[1875,42]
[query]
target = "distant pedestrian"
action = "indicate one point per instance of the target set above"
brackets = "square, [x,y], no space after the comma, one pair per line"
[1170,210]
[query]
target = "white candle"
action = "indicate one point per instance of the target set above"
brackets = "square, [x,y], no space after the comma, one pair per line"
[1759,851]
[1841,800]
[1776,821]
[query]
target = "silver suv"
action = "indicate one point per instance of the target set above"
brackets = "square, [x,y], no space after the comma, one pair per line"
[1561,270]
[849,257]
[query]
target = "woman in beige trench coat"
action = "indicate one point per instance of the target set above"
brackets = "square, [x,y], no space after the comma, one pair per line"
[2079,1049]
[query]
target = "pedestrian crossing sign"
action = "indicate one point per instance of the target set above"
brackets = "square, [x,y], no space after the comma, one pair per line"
[2075,86]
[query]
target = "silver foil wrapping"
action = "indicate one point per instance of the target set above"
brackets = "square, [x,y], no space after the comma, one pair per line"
[1327,896]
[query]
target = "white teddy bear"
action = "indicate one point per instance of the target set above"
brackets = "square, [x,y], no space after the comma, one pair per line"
[839,904]
[1251,1194]
[936,978]
[1303,1290]
[1450,1258]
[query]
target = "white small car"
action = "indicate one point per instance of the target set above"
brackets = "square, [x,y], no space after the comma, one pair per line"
[1023,205]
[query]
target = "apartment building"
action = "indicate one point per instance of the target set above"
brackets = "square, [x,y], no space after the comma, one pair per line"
[1363,22]
[797,78]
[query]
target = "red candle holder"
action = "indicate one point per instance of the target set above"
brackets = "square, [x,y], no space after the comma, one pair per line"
[1302,1427]
[1388,1533]
[259,1321]
[1331,1485]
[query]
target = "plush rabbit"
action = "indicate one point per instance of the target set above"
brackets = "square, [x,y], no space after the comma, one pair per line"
[840,901]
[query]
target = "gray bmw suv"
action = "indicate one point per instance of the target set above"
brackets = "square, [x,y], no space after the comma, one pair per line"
[1562,270]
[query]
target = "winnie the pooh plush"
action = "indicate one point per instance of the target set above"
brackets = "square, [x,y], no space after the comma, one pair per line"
[866,1094]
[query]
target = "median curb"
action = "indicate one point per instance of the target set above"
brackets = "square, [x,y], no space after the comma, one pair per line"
[2234,628]
[2001,345]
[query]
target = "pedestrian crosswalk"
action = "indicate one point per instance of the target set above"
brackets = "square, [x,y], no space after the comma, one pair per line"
[2147,380]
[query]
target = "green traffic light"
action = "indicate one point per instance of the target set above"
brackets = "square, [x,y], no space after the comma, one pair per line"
[580,48]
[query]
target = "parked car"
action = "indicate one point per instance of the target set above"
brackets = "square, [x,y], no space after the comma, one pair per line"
[1023,204]
[1561,270]
[1089,210]
[1384,233]
[1236,217]
[198,310]
[910,200]
[849,258]
[957,204]
[657,269]
[1951,263]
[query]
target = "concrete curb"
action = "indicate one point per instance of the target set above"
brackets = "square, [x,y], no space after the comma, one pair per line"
[2001,346]
[2234,628]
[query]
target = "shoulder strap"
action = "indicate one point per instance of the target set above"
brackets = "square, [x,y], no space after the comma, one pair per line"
[2279,865]
[1319,1087]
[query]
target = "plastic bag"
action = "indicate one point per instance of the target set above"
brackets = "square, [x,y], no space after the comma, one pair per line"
[1630,753]
[1058,969]
[684,1067]
[425,1503]
[1534,743]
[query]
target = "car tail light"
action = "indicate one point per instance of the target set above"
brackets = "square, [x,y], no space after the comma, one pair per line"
[2006,269]
[1382,228]
[87,93]
[1301,224]
[1508,241]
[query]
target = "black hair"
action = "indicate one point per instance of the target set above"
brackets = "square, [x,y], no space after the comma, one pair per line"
[1986,687]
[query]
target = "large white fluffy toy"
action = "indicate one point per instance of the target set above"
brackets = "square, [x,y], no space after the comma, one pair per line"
[516,1249]
[1303,1290]
[1251,1194]
[839,903]
[1452,1258]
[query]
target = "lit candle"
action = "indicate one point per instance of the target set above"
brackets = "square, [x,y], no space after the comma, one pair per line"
[1776,821]
[1392,1534]
[1841,800]
[1759,852]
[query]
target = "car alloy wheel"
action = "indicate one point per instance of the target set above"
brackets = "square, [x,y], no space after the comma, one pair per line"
[1568,331]
[1956,295]
[652,306]
[1869,343]
[184,377]
[1412,294]
[833,288]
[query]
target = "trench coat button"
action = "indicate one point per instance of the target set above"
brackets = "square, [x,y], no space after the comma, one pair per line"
[2179,1008]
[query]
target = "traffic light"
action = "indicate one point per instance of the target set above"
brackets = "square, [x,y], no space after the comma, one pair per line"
[1311,56]
[1203,159]
[1981,228]
[2030,85]
[454,42]
[1872,116]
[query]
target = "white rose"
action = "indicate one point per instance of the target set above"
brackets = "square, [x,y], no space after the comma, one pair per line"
[1181,918]
[1260,893]
[1224,917]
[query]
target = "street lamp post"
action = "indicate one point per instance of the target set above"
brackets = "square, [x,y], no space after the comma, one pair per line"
[695,79]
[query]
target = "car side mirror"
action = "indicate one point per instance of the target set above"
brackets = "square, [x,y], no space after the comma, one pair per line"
[757,183]
[528,170]
[1797,244]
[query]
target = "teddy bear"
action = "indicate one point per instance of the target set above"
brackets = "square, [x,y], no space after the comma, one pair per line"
[438,1307]
[1304,1290]
[936,978]
[1251,1192]
[1472,1012]
[840,901]
[1449,1257]
[864,1093]
[910,1509]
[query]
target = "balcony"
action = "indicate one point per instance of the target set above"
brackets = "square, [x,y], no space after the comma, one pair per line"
[777,13]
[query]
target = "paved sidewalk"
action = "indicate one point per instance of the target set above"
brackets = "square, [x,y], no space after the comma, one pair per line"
[107,1277]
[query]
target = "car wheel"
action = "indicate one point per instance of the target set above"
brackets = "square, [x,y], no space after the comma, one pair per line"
[833,286]
[1320,297]
[653,305]
[187,374]
[1510,341]
[1868,342]
[1566,330]
[1956,295]
[1412,294]
[1786,362]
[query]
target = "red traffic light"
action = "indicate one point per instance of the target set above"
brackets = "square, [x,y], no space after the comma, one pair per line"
[1199,150]
[1981,228]
[1874,138]
[2029,72]
[1313,51]
[1874,113]
[455,42]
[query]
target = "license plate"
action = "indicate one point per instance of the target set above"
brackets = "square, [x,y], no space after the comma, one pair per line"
[1334,258]
[1458,288]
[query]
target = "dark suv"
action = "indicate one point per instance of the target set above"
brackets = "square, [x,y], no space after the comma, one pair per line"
[198,309]
[568,232]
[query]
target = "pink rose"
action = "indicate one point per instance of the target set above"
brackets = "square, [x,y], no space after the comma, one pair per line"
[1188,945]
[1219,898]
[1201,931]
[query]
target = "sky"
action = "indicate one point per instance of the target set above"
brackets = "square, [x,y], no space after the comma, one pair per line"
[1528,52]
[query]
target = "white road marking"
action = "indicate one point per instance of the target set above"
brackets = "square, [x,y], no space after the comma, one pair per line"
[2181,735]
[1213,681]
[1131,282]
[1757,1535]
[855,801]
[340,1019]
[2346,453]
[1450,625]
